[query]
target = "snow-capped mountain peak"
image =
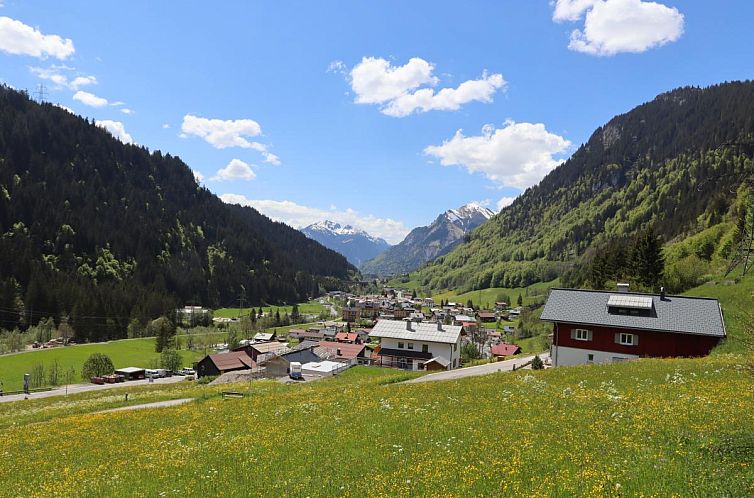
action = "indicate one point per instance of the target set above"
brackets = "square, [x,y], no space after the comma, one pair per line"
[355,244]
[470,214]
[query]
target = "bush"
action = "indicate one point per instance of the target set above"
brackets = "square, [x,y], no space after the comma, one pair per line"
[97,365]
[206,379]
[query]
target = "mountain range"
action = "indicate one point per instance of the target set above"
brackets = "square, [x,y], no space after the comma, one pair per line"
[426,243]
[356,245]
[673,165]
[105,233]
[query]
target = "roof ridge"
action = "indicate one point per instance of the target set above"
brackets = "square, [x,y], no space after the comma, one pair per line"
[617,292]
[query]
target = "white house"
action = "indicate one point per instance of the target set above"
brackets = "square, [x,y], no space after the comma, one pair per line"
[416,346]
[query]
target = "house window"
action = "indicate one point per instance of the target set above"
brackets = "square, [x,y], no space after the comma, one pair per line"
[410,345]
[581,334]
[400,345]
[590,357]
[425,348]
[627,339]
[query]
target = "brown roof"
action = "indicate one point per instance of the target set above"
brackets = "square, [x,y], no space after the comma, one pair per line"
[346,336]
[234,360]
[349,351]
[487,314]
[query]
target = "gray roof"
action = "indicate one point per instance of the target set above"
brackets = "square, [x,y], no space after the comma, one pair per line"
[395,329]
[678,314]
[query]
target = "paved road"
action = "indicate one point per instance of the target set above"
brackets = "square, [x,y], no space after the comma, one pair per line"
[488,368]
[80,388]
[157,404]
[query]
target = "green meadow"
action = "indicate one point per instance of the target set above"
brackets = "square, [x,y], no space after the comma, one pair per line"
[642,428]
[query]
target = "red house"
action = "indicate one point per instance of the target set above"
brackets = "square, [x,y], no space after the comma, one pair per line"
[602,327]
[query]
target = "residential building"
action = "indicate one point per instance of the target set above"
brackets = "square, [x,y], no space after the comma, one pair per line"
[344,352]
[279,366]
[502,350]
[599,326]
[351,314]
[409,345]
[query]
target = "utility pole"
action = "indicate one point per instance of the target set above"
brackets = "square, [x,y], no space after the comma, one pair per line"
[241,300]
[41,92]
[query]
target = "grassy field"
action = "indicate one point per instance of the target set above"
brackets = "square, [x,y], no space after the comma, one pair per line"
[736,296]
[649,427]
[124,353]
[310,308]
[535,293]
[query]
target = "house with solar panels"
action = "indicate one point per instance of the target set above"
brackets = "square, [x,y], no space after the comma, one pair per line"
[591,326]
[417,346]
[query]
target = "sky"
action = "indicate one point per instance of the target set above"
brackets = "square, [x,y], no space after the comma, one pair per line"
[381,115]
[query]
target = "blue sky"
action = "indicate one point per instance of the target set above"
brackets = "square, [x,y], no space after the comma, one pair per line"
[352,110]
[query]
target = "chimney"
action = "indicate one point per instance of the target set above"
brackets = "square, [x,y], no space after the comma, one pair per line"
[439,326]
[622,287]
[408,324]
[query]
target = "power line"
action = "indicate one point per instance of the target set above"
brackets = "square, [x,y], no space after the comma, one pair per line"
[41,92]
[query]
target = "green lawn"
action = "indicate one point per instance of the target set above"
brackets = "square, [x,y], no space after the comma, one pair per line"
[535,293]
[310,308]
[647,427]
[124,353]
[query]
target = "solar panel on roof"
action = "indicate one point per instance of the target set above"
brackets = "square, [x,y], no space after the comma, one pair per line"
[634,302]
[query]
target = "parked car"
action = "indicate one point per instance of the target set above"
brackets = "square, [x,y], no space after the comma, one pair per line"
[98,380]
[150,372]
[188,371]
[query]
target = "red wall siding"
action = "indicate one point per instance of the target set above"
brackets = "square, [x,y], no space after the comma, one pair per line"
[657,344]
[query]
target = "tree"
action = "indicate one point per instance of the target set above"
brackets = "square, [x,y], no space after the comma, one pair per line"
[97,365]
[295,314]
[647,260]
[537,363]
[520,300]
[163,331]
[470,304]
[54,373]
[135,328]
[170,360]
[232,340]
[65,331]
[469,351]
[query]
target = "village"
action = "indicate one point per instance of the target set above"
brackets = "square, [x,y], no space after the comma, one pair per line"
[397,329]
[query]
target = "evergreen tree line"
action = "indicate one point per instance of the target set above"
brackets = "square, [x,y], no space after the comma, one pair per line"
[104,233]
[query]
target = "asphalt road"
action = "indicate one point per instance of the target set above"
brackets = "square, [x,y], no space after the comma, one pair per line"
[80,388]
[488,368]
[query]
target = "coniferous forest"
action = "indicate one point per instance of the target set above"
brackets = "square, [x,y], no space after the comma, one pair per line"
[100,232]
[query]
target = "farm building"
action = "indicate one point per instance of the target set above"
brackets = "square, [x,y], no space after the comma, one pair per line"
[263,350]
[410,345]
[265,336]
[487,316]
[217,364]
[279,366]
[351,353]
[599,326]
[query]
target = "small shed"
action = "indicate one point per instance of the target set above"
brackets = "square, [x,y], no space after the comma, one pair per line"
[435,364]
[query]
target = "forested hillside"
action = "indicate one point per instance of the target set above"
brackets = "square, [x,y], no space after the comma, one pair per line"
[104,232]
[672,165]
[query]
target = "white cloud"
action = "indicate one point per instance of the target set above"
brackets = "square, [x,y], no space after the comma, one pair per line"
[397,88]
[517,155]
[235,170]
[165,126]
[222,134]
[65,108]
[337,67]
[504,202]
[89,99]
[18,38]
[117,129]
[615,26]
[198,176]
[55,74]
[299,216]
[126,110]
[80,81]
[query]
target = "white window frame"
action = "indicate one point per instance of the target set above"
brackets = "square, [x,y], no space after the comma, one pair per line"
[626,339]
[410,345]
[400,345]
[582,334]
